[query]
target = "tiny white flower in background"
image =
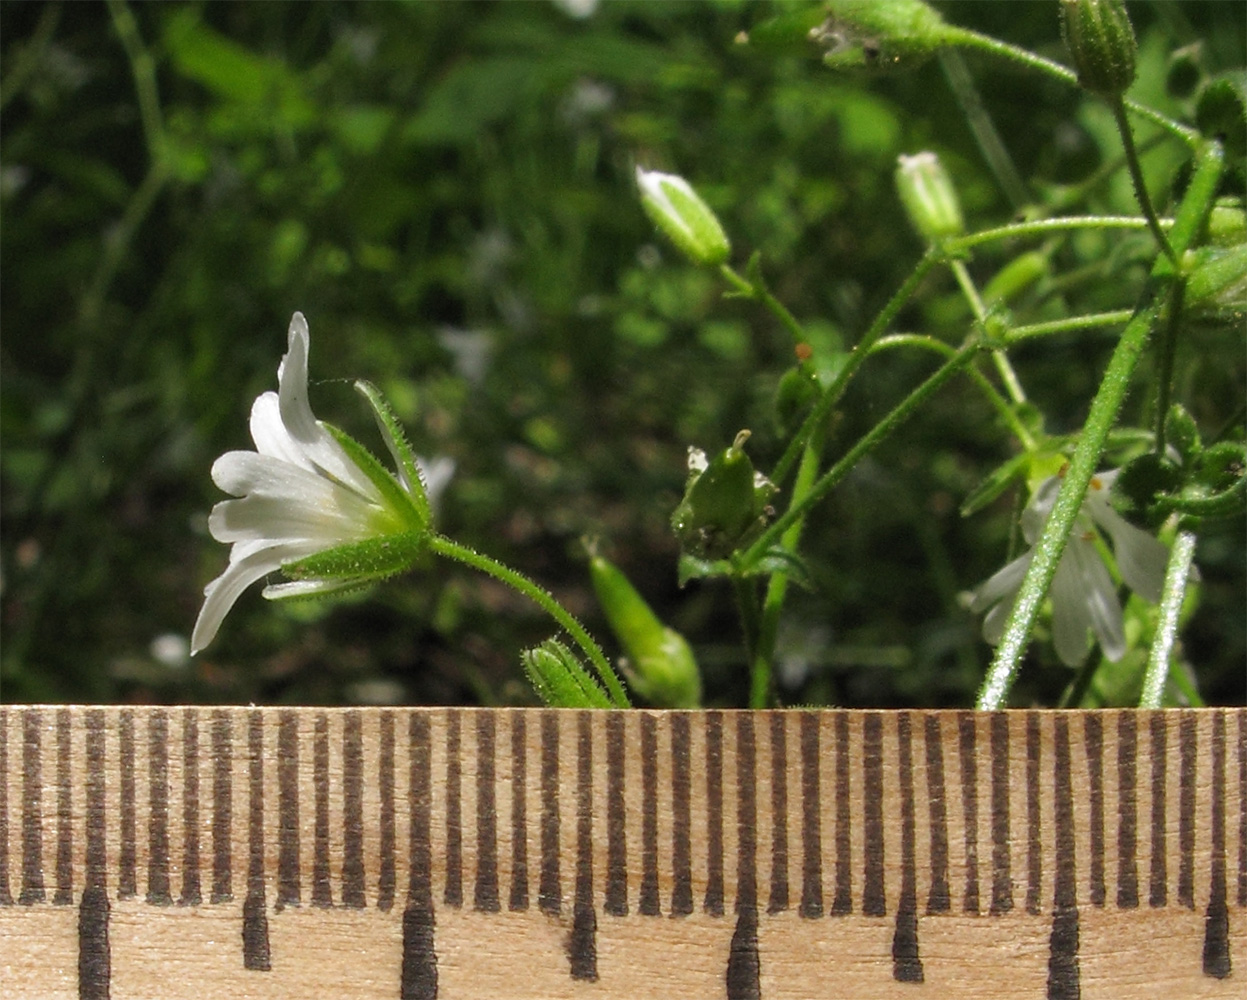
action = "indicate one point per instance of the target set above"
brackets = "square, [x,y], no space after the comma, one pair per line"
[1083,594]
[307,491]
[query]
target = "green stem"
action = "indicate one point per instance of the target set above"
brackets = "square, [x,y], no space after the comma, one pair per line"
[1164,362]
[998,402]
[990,144]
[1007,375]
[1159,657]
[1069,324]
[445,547]
[1041,227]
[144,69]
[994,46]
[817,417]
[777,586]
[761,294]
[1104,408]
[898,415]
[1136,177]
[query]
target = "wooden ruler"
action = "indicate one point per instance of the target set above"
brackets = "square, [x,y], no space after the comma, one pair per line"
[419,853]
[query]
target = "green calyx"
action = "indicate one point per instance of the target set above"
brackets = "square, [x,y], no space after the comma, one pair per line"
[1101,43]
[661,666]
[359,563]
[725,505]
[560,679]
[880,36]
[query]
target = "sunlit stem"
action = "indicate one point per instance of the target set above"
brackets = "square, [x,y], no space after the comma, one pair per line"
[443,546]
[1177,573]
[1100,420]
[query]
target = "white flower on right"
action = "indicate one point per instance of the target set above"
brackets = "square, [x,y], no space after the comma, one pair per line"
[1083,594]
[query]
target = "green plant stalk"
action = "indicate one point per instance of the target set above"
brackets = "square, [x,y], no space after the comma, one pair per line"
[1103,414]
[1007,375]
[144,69]
[1136,177]
[817,417]
[777,586]
[1041,227]
[762,295]
[1178,571]
[897,416]
[994,46]
[997,401]
[1068,325]
[449,549]
[1164,363]
[990,144]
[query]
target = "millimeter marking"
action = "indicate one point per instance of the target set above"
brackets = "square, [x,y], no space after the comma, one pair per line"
[592,828]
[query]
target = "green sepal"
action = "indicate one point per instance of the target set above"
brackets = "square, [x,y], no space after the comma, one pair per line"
[775,559]
[724,506]
[784,34]
[995,483]
[560,679]
[1182,433]
[400,448]
[663,669]
[881,36]
[1221,111]
[363,561]
[398,502]
[1101,43]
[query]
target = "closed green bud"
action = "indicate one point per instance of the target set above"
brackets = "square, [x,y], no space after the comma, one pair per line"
[687,221]
[880,36]
[725,502]
[1221,111]
[1101,42]
[660,667]
[929,197]
[560,679]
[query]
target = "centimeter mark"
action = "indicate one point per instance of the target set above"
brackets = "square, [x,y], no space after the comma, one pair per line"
[590,816]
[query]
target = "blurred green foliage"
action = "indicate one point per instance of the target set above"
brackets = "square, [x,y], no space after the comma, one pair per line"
[446,191]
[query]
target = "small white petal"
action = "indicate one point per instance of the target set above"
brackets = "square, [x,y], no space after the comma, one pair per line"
[1001,584]
[246,566]
[1141,557]
[305,588]
[436,474]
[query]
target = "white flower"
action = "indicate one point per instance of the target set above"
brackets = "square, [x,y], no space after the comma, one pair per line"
[1083,595]
[312,501]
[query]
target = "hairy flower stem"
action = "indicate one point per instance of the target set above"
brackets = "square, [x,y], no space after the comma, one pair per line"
[1159,657]
[1104,408]
[1136,177]
[443,546]
[986,43]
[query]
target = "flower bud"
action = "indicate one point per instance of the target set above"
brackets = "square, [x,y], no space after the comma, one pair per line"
[1101,42]
[880,36]
[725,502]
[929,197]
[661,666]
[560,679]
[679,212]
[1221,111]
